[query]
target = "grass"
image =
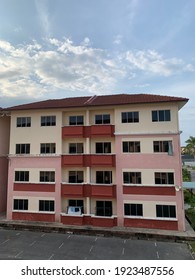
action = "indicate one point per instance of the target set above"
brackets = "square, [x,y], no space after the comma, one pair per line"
[192,244]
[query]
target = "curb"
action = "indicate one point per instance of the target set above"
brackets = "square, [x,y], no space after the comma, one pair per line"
[106,232]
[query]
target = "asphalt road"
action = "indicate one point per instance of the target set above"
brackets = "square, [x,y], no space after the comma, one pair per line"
[27,245]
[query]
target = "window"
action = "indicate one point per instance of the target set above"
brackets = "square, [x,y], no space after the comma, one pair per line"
[48,120]
[21,176]
[23,122]
[76,120]
[47,148]
[46,205]
[102,119]
[76,148]
[104,177]
[133,209]
[165,211]
[131,147]
[130,117]
[132,178]
[161,116]
[161,146]
[76,203]
[20,204]
[163,178]
[103,208]
[103,148]
[76,177]
[47,176]
[22,148]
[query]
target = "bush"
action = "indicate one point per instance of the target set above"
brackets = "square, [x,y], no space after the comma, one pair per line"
[186,175]
[190,214]
[189,198]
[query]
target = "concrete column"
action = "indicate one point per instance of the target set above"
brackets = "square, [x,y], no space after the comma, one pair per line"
[88,208]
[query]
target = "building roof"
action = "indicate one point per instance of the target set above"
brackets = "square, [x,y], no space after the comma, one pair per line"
[98,100]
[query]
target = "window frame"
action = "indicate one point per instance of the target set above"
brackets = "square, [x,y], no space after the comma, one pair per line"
[166,211]
[131,147]
[23,122]
[48,120]
[164,178]
[130,117]
[22,204]
[46,205]
[75,120]
[21,176]
[102,119]
[101,177]
[128,178]
[47,176]
[47,148]
[22,149]
[105,207]
[76,203]
[161,115]
[74,178]
[103,146]
[133,209]
[75,147]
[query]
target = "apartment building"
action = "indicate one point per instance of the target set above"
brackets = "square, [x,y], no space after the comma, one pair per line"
[4,150]
[115,160]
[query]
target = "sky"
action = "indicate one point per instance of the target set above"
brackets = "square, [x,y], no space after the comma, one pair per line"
[67,48]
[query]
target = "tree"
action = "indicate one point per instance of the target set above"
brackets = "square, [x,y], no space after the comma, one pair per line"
[190,147]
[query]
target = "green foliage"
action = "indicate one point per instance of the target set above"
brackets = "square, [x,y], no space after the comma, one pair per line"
[189,198]
[193,246]
[190,213]
[190,147]
[186,175]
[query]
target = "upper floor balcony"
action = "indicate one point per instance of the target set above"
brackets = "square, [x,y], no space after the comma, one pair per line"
[91,160]
[88,190]
[105,130]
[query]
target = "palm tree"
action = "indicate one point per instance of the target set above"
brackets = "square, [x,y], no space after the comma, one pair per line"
[190,147]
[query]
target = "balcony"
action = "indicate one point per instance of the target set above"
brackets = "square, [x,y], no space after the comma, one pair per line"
[106,160]
[106,130]
[34,187]
[73,160]
[88,190]
[88,131]
[106,191]
[91,220]
[75,190]
[72,131]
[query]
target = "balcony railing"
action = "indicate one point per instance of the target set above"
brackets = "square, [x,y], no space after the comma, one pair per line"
[91,220]
[107,160]
[88,190]
[88,131]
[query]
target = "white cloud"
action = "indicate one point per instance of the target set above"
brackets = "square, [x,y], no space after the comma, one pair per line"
[152,62]
[34,70]
[45,19]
